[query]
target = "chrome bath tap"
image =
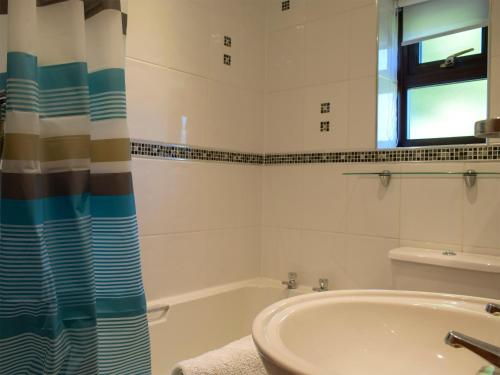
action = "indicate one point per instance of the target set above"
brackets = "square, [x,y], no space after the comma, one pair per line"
[292,281]
[323,286]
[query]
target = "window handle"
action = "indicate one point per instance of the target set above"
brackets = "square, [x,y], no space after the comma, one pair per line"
[450,60]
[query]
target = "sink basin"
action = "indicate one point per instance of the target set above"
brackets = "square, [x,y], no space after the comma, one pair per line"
[372,332]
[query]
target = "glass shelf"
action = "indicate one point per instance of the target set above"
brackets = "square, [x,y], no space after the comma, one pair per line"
[469,176]
[467,173]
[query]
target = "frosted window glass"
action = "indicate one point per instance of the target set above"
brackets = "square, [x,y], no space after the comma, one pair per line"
[440,48]
[448,110]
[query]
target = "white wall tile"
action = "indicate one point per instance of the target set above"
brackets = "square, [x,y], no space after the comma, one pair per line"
[431,245]
[282,192]
[316,257]
[482,209]
[280,252]
[327,50]
[431,206]
[184,262]
[244,22]
[188,108]
[174,263]
[147,81]
[363,42]
[363,263]
[324,8]
[187,36]
[250,203]
[234,196]
[170,196]
[222,184]
[482,250]
[176,109]
[236,117]
[232,255]
[362,113]
[494,30]
[349,262]
[325,197]
[147,30]
[372,208]
[278,19]
[494,86]
[286,58]
[283,131]
[337,94]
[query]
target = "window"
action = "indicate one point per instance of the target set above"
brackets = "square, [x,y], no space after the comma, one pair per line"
[438,104]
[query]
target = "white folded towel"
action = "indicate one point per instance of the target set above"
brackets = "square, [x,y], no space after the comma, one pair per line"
[237,358]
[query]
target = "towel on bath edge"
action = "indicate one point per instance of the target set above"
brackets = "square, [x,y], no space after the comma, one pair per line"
[237,358]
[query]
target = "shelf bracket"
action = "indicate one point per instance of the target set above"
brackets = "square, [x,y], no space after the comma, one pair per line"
[470,178]
[385,178]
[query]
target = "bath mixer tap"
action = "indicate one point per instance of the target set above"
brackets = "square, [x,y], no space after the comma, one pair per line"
[292,281]
[486,351]
[493,309]
[323,286]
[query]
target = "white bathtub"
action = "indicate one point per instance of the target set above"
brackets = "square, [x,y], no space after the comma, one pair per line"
[208,319]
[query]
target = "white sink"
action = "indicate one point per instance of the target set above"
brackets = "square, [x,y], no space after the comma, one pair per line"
[372,332]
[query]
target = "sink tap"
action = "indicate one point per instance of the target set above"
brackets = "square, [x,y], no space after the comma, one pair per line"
[292,281]
[486,351]
[323,286]
[493,309]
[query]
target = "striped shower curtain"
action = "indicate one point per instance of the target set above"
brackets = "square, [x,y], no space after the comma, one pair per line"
[71,294]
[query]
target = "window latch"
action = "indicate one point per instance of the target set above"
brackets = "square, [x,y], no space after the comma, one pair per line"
[450,60]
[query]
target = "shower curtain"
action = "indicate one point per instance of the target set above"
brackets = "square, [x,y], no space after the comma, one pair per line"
[71,294]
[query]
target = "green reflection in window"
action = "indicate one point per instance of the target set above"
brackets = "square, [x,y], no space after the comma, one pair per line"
[448,110]
[442,47]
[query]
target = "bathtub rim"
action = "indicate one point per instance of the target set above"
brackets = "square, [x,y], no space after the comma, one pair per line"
[258,282]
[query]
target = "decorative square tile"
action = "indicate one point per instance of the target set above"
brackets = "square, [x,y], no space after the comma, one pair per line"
[325,107]
[325,126]
[227,41]
[285,5]
[227,59]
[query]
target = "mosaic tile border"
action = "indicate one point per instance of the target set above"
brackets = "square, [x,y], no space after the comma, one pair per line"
[180,152]
[464,153]
[423,154]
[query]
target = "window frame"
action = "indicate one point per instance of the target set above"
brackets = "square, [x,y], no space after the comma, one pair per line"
[413,74]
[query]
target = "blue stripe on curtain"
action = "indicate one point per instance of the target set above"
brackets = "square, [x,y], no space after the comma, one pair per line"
[3,81]
[37,211]
[22,65]
[107,94]
[53,91]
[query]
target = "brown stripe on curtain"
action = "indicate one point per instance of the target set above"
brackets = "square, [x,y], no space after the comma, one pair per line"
[92,7]
[36,186]
[42,3]
[111,183]
[3,6]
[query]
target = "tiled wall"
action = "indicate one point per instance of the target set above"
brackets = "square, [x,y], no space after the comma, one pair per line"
[199,221]
[321,51]
[323,224]
[297,67]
